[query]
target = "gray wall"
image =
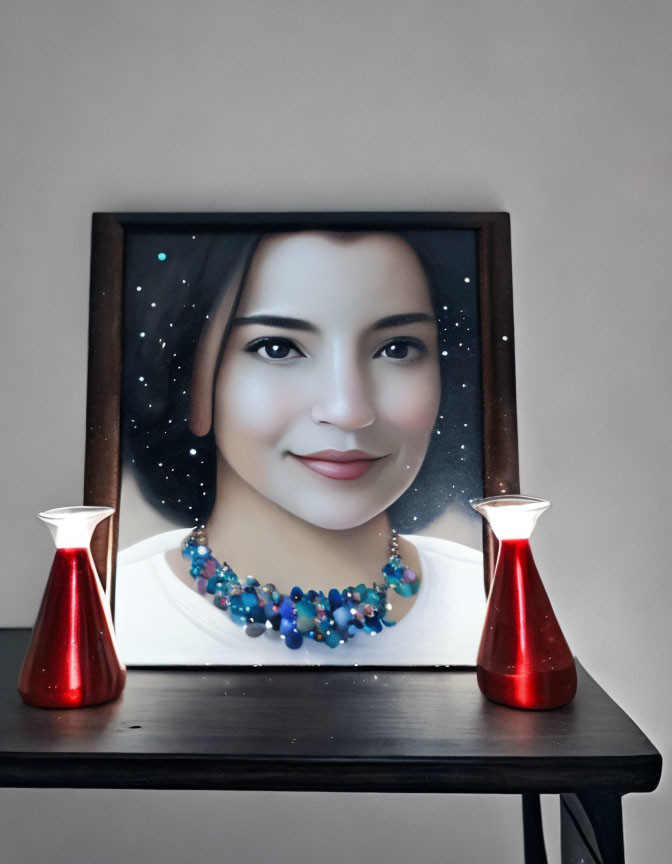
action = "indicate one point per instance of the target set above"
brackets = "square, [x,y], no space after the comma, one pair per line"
[556,112]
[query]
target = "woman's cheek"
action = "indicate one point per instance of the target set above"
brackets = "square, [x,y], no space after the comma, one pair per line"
[411,404]
[254,408]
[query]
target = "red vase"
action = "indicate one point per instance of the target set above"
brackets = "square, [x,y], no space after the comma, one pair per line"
[72,660]
[523,660]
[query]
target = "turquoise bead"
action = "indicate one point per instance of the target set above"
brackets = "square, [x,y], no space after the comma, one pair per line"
[371,597]
[304,624]
[305,608]
[333,639]
[250,599]
[305,616]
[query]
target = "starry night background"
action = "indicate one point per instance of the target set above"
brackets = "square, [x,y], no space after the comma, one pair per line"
[173,283]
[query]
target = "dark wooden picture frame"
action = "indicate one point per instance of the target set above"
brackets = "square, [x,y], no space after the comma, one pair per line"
[111,233]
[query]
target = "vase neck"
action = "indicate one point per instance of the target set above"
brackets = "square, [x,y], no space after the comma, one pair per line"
[72,527]
[512,517]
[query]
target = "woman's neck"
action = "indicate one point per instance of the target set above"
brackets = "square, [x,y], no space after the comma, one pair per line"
[258,538]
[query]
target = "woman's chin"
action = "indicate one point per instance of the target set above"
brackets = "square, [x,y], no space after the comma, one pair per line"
[331,519]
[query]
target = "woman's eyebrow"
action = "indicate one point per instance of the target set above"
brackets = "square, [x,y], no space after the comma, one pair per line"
[401,320]
[277,321]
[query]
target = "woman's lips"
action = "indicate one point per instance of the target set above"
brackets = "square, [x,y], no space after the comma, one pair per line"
[339,464]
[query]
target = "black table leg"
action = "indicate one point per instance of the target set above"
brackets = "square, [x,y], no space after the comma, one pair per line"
[533,830]
[591,826]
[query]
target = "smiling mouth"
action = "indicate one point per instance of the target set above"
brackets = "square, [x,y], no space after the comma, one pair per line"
[339,464]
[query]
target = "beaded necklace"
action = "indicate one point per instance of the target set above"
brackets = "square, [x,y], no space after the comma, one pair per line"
[331,618]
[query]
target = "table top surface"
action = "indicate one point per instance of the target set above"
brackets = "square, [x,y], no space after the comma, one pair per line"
[324,729]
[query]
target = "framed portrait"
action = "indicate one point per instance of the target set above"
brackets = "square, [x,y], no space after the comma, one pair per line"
[291,414]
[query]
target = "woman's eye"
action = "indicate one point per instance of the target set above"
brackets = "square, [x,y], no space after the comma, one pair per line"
[402,349]
[274,349]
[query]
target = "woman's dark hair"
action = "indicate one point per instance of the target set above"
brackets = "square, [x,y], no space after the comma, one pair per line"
[174,285]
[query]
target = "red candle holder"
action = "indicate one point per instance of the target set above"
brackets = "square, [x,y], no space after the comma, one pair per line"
[72,660]
[523,660]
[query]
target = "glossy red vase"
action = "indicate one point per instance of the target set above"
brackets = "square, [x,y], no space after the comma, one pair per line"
[523,660]
[72,660]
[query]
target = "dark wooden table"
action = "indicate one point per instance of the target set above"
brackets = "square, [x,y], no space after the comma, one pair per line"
[336,730]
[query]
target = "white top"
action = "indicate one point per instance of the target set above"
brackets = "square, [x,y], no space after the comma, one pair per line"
[160,620]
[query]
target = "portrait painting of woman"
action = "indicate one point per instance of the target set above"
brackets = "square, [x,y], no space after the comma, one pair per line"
[301,441]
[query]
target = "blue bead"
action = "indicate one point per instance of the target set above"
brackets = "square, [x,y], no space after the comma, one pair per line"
[195,571]
[293,640]
[335,600]
[256,613]
[212,584]
[296,593]
[372,624]
[286,608]
[286,626]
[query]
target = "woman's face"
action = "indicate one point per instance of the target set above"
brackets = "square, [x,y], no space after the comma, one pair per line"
[328,388]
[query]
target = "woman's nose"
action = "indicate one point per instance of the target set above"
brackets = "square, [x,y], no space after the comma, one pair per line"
[344,399]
